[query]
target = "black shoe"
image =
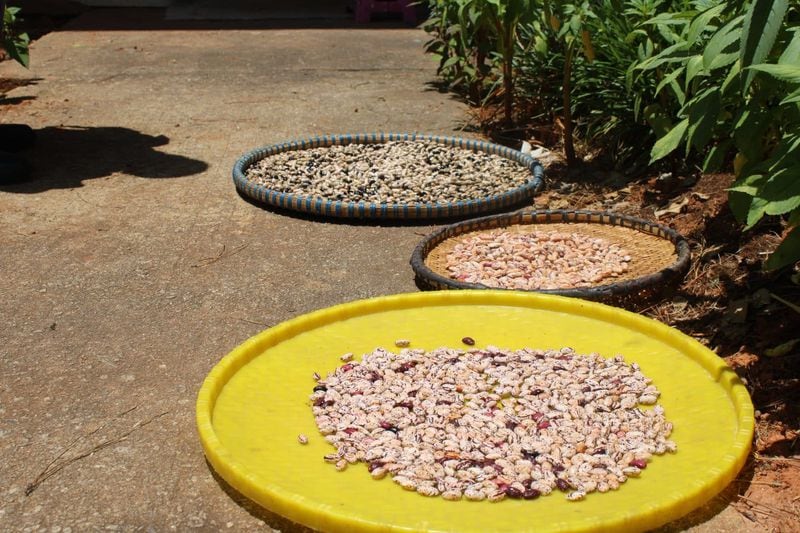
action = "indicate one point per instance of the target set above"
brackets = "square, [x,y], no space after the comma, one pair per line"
[16,137]
[13,169]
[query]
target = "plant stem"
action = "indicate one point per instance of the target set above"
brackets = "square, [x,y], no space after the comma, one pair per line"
[507,44]
[508,92]
[569,146]
[476,88]
[2,22]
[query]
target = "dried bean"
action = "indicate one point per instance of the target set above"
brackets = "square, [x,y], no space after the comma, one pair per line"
[496,434]
[391,172]
[536,260]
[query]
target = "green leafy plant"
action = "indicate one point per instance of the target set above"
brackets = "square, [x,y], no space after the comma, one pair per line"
[477,42]
[729,84]
[504,20]
[459,37]
[716,83]
[576,69]
[15,43]
[575,37]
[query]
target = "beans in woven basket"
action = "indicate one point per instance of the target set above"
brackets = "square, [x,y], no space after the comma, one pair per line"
[490,424]
[536,260]
[396,172]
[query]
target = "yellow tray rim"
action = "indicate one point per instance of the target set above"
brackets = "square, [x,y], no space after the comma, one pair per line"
[225,464]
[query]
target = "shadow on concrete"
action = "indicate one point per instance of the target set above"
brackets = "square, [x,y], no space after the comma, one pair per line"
[694,518]
[64,157]
[15,100]
[9,84]
[271,519]
[142,19]
[378,222]
[717,504]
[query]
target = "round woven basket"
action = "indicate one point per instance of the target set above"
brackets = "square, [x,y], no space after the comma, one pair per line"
[659,255]
[458,208]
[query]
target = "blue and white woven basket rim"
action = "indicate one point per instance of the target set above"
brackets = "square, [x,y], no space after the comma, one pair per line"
[368,210]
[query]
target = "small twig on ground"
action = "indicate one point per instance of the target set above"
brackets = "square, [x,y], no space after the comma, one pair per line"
[254,322]
[756,504]
[747,514]
[794,461]
[773,484]
[765,512]
[57,464]
[210,260]
[788,304]
[707,253]
[87,202]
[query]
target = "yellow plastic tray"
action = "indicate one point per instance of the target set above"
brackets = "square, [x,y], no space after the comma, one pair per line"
[254,403]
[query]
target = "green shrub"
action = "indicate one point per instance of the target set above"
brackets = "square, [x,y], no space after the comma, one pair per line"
[729,84]
[476,41]
[608,105]
[460,40]
[14,42]
[712,84]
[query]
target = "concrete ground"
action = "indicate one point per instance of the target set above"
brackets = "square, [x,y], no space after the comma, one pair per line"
[129,265]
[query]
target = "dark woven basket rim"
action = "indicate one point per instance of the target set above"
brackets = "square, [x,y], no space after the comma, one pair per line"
[370,210]
[665,276]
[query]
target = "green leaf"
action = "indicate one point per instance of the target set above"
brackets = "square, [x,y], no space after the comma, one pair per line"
[655,116]
[667,34]
[786,253]
[749,132]
[451,61]
[680,96]
[693,66]
[669,142]
[666,56]
[761,26]
[784,348]
[791,55]
[733,74]
[792,98]
[17,48]
[790,73]
[739,203]
[749,190]
[723,60]
[756,212]
[703,113]
[716,156]
[786,152]
[749,185]
[701,22]
[662,19]
[721,43]
[782,191]
[669,78]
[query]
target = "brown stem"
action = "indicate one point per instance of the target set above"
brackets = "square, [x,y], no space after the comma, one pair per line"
[480,68]
[508,75]
[476,87]
[2,22]
[569,145]
[508,93]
